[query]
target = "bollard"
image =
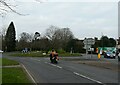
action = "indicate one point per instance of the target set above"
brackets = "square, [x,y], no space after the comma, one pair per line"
[99,56]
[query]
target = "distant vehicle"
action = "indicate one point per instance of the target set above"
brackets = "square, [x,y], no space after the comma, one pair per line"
[109,55]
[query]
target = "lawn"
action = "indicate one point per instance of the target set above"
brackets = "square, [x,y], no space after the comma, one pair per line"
[7,62]
[11,75]
[0,76]
[14,75]
[30,54]
[39,54]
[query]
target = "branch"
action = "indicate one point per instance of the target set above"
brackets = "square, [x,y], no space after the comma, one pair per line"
[9,7]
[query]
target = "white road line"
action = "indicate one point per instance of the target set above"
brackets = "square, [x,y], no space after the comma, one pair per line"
[54,65]
[59,66]
[29,74]
[46,62]
[38,60]
[88,78]
[35,59]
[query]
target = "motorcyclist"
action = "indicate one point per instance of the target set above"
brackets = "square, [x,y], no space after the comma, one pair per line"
[53,56]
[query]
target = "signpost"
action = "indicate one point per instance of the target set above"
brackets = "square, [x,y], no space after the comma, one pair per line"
[88,42]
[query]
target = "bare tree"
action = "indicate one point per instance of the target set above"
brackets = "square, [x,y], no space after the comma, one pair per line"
[59,37]
[0,42]
[51,31]
[24,41]
[6,6]
[25,37]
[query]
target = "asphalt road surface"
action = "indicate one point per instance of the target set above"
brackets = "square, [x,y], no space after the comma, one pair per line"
[43,71]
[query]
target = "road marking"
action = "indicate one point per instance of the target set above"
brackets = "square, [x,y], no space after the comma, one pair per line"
[46,62]
[59,66]
[54,65]
[88,78]
[29,74]
[38,60]
[35,59]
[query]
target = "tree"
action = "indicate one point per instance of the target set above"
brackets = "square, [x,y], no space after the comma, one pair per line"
[107,42]
[112,42]
[66,36]
[51,35]
[24,41]
[59,37]
[10,38]
[74,45]
[37,36]
[6,6]
[0,42]
[25,37]
[2,35]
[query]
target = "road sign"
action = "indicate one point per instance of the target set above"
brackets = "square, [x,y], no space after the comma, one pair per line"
[89,41]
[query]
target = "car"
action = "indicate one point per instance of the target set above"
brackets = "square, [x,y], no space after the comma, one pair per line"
[109,55]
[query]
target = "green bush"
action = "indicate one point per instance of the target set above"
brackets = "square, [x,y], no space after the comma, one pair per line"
[61,51]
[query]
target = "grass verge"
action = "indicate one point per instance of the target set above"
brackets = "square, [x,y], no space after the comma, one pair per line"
[31,54]
[14,75]
[7,62]
[39,54]
[0,76]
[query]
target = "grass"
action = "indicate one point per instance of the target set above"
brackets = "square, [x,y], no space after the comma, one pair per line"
[7,62]
[14,75]
[39,54]
[0,61]
[31,54]
[68,54]
[0,76]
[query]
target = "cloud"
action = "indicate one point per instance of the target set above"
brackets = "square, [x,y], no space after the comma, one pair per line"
[84,18]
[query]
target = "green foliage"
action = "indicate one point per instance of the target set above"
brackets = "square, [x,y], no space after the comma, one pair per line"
[60,51]
[10,38]
[107,42]
[75,46]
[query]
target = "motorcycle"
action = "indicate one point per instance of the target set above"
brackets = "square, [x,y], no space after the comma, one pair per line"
[54,59]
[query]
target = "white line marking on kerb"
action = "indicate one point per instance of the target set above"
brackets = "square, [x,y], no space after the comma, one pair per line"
[88,78]
[29,74]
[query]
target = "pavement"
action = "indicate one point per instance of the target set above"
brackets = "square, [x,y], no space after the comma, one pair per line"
[67,71]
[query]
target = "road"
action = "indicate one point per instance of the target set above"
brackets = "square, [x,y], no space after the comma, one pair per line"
[66,71]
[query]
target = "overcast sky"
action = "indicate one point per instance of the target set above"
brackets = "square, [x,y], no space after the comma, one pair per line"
[85,19]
